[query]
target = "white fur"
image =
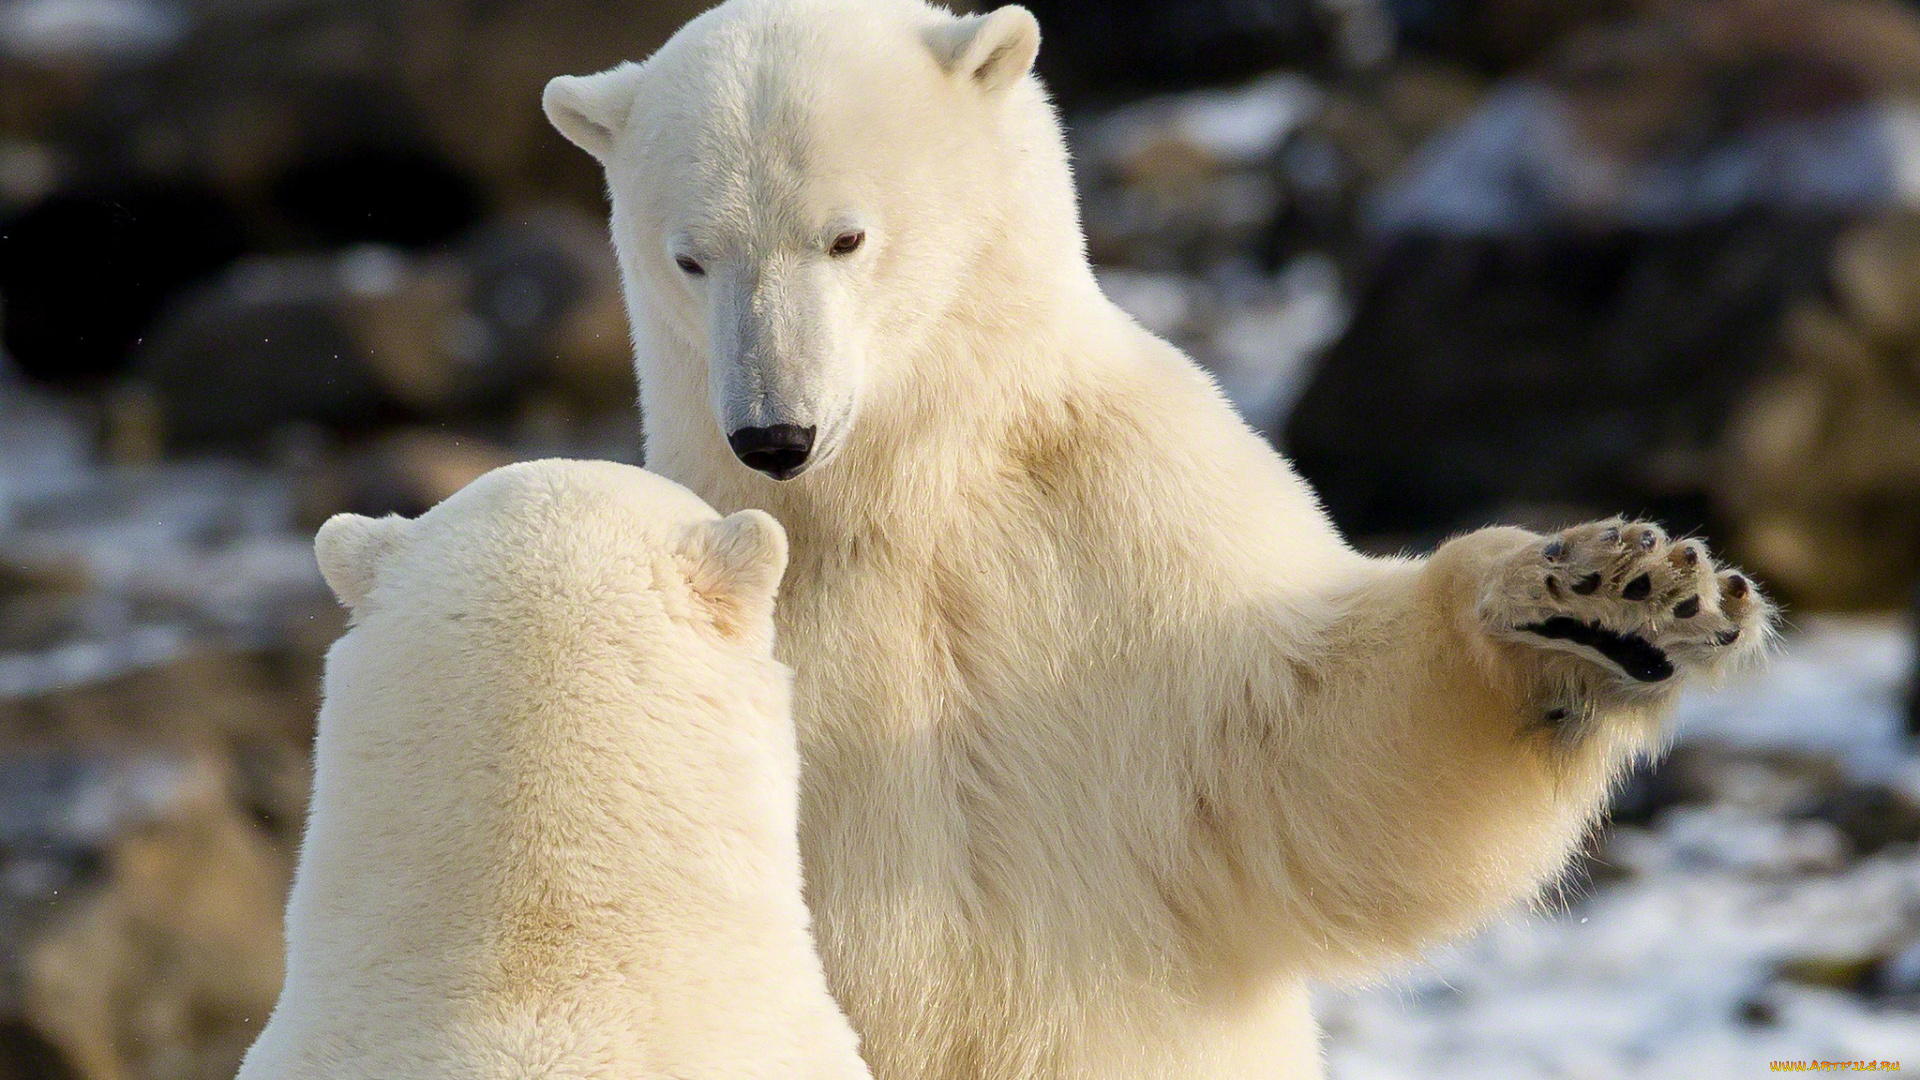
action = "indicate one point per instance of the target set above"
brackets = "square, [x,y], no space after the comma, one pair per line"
[553,821]
[1110,742]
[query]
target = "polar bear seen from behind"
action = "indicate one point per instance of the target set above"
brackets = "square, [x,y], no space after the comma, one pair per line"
[552,830]
[1111,743]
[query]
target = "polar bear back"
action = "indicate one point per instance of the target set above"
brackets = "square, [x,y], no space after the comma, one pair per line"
[553,822]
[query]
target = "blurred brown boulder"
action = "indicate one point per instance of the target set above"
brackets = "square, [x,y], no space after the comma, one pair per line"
[373,335]
[1823,458]
[406,472]
[1592,372]
[147,828]
[1575,294]
[1500,36]
[169,968]
[134,165]
[1684,77]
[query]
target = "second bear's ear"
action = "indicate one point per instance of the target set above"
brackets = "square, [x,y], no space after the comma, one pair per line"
[591,110]
[350,549]
[993,51]
[735,565]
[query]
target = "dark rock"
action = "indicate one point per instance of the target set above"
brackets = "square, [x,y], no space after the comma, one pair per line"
[1897,974]
[1773,782]
[85,270]
[25,1054]
[270,127]
[1871,816]
[268,344]
[1096,50]
[373,336]
[1888,976]
[147,824]
[1498,35]
[1572,292]
[1852,974]
[407,472]
[1654,785]
[409,197]
[1758,1012]
[169,965]
[1820,467]
[1591,368]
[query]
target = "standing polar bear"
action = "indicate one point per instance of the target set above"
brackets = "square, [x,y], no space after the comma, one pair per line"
[1109,742]
[553,821]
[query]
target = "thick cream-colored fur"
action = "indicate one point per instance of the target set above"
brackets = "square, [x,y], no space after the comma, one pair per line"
[553,822]
[1110,742]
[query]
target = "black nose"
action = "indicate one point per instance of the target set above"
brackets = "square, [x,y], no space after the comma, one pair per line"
[779,451]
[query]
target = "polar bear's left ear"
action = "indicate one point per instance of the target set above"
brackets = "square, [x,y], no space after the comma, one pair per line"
[350,549]
[735,565]
[591,110]
[993,51]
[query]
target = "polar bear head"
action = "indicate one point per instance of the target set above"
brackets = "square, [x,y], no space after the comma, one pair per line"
[804,191]
[531,545]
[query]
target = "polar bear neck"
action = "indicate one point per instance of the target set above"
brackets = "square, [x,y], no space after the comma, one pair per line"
[495,872]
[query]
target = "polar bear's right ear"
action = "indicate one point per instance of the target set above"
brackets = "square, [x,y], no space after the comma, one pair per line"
[591,110]
[735,565]
[993,51]
[350,549]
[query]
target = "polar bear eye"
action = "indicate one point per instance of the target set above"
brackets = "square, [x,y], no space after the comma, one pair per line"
[847,243]
[690,265]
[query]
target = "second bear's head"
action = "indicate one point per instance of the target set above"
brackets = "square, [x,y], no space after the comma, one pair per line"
[575,572]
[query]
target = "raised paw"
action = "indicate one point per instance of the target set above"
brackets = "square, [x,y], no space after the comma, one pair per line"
[1626,598]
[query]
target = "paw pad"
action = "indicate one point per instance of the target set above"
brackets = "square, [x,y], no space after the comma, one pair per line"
[1624,595]
[1634,654]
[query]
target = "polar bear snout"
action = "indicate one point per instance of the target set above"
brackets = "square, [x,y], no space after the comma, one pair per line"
[780,450]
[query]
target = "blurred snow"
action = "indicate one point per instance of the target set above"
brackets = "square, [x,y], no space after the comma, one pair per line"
[1236,127]
[164,551]
[1163,303]
[1519,166]
[45,447]
[1262,353]
[1836,689]
[1673,971]
[101,28]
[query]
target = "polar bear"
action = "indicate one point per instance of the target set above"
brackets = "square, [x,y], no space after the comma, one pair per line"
[1110,742]
[553,822]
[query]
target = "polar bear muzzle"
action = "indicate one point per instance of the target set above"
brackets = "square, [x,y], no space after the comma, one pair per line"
[780,450]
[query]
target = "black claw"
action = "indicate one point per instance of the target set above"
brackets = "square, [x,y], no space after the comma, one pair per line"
[1727,638]
[1636,655]
[1647,540]
[1638,589]
[1737,587]
[1687,609]
[1690,556]
[1555,550]
[1588,585]
[1610,536]
[1556,716]
[1553,586]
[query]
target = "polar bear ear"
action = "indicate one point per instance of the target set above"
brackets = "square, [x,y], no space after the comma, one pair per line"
[993,51]
[591,110]
[735,565]
[350,549]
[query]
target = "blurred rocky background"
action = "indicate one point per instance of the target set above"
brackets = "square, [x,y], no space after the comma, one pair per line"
[262,261]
